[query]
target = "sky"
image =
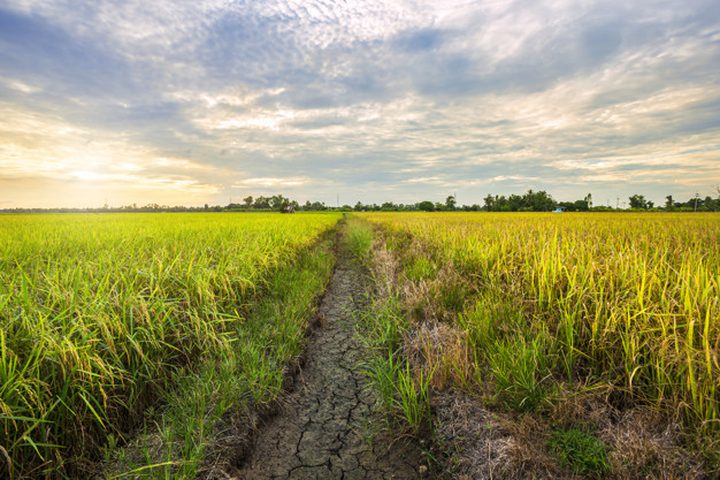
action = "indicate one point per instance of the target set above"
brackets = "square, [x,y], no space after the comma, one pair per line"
[204,101]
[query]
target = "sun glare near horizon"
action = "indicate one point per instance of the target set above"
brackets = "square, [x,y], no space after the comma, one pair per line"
[193,103]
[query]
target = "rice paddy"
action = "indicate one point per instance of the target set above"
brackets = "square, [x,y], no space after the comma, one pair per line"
[99,313]
[539,309]
[151,328]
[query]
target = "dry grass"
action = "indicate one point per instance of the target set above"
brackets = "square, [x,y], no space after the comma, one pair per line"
[646,445]
[483,444]
[439,352]
[384,267]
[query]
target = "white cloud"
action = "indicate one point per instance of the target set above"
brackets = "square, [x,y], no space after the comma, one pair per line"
[409,97]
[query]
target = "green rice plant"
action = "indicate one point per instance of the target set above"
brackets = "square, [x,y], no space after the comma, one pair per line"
[580,451]
[100,312]
[270,337]
[519,368]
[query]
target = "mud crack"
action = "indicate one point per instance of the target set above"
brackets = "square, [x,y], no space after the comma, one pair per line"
[322,429]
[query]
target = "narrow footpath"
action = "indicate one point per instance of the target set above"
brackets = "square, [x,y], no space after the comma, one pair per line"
[328,427]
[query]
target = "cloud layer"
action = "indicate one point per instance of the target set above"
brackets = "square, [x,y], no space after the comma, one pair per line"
[194,102]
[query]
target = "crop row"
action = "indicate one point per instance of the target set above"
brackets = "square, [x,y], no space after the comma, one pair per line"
[98,312]
[544,304]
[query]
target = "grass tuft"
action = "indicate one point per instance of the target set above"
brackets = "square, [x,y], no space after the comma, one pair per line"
[580,451]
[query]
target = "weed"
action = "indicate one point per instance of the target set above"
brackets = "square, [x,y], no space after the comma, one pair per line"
[401,393]
[420,268]
[580,451]
[359,238]
[519,368]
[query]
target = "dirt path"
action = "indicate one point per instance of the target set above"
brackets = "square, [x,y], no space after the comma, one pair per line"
[323,429]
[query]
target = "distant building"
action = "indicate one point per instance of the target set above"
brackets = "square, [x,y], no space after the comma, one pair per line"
[559,210]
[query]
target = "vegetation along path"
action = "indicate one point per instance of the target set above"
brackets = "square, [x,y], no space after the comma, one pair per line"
[325,428]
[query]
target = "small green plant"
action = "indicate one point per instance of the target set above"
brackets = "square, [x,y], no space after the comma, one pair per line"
[519,368]
[420,268]
[580,451]
[359,238]
[382,371]
[452,296]
[401,394]
[383,325]
[413,397]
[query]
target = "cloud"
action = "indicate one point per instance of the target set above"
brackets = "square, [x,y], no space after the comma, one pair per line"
[377,100]
[271,182]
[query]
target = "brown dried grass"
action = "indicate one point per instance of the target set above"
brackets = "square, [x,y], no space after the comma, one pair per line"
[440,352]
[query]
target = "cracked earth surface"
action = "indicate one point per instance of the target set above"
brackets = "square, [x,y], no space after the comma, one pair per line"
[323,428]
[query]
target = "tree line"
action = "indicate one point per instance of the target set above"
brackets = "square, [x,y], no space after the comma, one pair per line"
[541,201]
[531,201]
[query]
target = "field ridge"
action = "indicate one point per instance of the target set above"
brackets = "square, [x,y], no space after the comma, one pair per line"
[321,430]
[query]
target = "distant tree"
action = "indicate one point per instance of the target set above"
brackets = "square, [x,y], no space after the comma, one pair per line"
[537,201]
[514,203]
[638,201]
[669,203]
[582,205]
[489,203]
[576,206]
[314,206]
[502,204]
[279,203]
[450,202]
[426,206]
[261,203]
[589,201]
[248,201]
[709,204]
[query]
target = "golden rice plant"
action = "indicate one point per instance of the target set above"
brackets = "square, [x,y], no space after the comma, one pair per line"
[630,300]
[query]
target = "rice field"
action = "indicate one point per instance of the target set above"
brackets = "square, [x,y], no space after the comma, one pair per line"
[540,308]
[99,312]
[106,317]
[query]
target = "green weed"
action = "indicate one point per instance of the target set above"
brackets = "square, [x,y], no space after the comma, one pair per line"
[580,451]
[358,238]
[401,393]
[519,368]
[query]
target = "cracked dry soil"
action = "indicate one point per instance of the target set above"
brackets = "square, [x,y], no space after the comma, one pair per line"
[323,428]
